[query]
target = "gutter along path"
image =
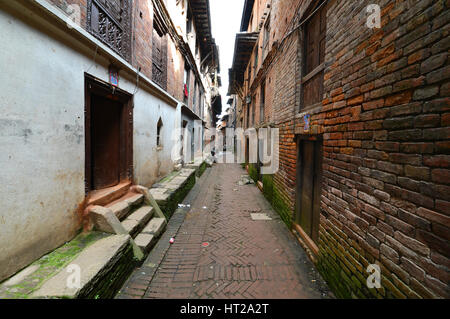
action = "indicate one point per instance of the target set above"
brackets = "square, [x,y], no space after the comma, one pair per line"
[221,252]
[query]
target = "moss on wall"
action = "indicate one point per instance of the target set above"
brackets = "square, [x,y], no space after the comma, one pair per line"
[281,207]
[253,172]
[177,197]
[108,286]
[49,265]
[201,169]
[268,187]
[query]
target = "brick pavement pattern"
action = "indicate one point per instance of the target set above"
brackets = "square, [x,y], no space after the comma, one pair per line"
[244,259]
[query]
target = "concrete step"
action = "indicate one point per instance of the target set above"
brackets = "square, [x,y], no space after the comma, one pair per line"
[149,235]
[123,206]
[145,242]
[98,263]
[155,227]
[138,220]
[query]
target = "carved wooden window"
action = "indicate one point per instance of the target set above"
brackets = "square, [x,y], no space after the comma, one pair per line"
[159,53]
[110,21]
[314,57]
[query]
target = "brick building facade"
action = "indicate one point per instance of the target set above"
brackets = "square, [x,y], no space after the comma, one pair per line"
[363,113]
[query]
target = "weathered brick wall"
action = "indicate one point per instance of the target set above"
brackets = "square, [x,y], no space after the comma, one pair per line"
[143,30]
[385,196]
[175,71]
[385,126]
[63,5]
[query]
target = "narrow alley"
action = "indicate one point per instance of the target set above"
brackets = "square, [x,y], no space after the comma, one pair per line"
[225,149]
[221,252]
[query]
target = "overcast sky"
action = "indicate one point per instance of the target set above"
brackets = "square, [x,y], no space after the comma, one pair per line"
[226,21]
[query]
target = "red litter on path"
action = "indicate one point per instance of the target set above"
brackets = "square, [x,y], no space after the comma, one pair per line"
[205,244]
[172,240]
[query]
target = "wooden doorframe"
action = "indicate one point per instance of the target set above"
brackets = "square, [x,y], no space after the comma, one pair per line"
[106,90]
[312,240]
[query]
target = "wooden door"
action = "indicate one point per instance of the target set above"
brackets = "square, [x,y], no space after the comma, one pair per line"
[105,142]
[309,171]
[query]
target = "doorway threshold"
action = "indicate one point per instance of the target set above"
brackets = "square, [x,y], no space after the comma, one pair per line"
[104,196]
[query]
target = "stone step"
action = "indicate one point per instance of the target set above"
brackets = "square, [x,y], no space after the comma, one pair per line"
[145,242]
[135,222]
[122,208]
[149,235]
[97,262]
[155,227]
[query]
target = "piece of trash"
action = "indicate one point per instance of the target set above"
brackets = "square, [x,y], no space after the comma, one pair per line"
[181,205]
[245,180]
[205,244]
[259,216]
[172,240]
[204,207]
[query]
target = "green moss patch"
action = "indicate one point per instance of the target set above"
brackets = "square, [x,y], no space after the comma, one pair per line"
[49,265]
[267,181]
[201,169]
[177,197]
[281,207]
[253,172]
[169,177]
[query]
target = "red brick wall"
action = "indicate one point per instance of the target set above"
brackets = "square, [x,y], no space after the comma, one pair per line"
[143,36]
[385,126]
[386,140]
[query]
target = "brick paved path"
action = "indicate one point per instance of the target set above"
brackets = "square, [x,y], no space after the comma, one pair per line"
[244,259]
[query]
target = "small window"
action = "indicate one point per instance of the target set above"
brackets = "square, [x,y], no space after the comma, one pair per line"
[266,38]
[187,76]
[253,110]
[314,57]
[159,53]
[248,116]
[263,101]
[194,106]
[158,133]
[256,59]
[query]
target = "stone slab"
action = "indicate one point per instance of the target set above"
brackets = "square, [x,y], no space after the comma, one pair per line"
[155,227]
[17,278]
[105,220]
[142,214]
[135,200]
[120,209]
[145,241]
[94,262]
[137,220]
